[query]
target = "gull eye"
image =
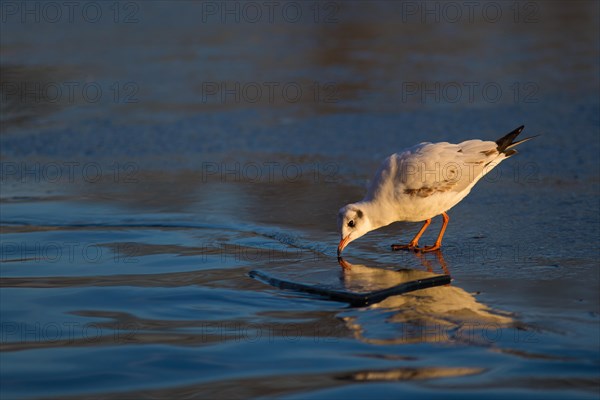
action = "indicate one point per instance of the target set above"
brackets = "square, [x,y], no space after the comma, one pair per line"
[351,224]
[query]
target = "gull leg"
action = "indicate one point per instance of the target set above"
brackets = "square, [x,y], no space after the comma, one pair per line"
[415,242]
[438,242]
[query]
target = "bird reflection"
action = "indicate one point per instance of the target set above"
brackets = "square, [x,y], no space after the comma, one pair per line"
[437,314]
[422,257]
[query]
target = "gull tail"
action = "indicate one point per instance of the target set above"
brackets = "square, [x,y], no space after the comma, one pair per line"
[506,144]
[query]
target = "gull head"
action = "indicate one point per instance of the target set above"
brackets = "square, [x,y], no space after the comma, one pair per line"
[352,223]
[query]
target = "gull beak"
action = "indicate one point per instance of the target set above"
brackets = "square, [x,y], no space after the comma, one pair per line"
[343,244]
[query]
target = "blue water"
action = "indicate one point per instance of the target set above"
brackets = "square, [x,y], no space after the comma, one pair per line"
[130,222]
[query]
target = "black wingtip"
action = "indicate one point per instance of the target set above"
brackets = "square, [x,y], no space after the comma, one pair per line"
[505,141]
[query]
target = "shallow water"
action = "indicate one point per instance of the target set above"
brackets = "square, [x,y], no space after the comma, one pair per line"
[129,228]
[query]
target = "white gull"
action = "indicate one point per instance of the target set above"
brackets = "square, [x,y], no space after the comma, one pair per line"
[420,183]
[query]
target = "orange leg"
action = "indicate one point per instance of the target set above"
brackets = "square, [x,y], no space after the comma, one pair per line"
[415,242]
[438,241]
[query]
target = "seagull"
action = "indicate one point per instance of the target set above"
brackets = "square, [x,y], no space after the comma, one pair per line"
[422,182]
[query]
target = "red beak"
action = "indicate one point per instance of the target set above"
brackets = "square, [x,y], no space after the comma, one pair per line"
[343,244]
